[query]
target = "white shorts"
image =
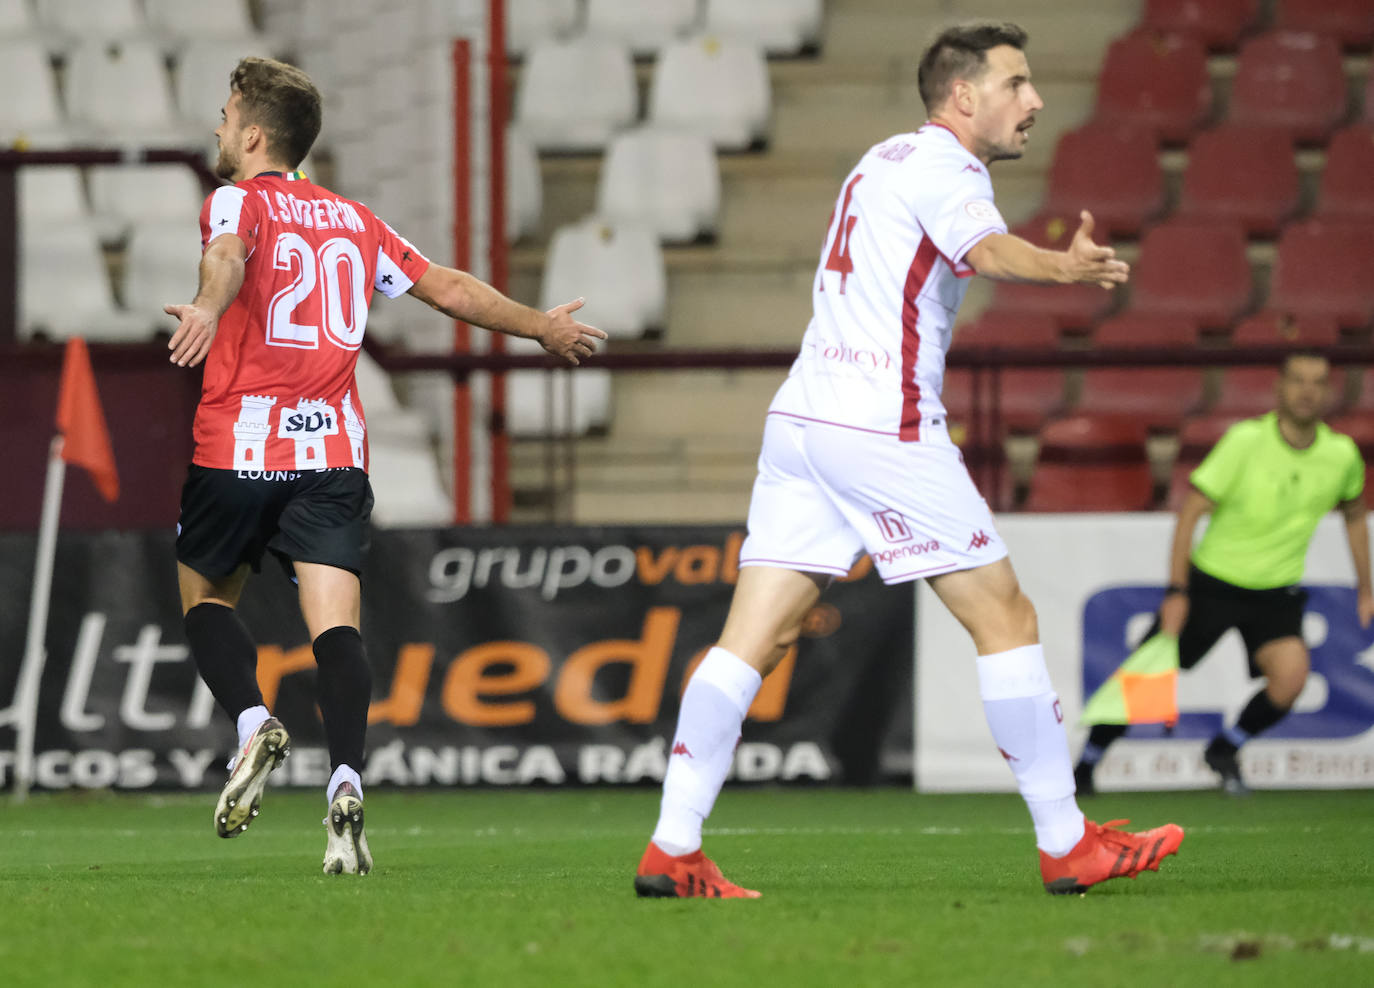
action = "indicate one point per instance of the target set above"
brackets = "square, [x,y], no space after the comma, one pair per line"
[826,494]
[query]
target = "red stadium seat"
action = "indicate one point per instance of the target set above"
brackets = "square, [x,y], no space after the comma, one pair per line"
[1007,329]
[1242,173]
[1154,397]
[1351,22]
[1050,228]
[1091,463]
[1111,171]
[1026,398]
[1196,438]
[1158,82]
[1326,268]
[1293,80]
[1217,24]
[1271,328]
[1074,308]
[1145,329]
[1347,186]
[1193,269]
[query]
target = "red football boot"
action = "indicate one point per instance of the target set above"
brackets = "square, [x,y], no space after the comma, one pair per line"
[662,876]
[1105,852]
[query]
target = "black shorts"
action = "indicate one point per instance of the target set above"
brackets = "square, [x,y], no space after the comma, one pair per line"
[1215,607]
[229,518]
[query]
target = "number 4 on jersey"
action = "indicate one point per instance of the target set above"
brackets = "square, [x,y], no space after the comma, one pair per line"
[839,258]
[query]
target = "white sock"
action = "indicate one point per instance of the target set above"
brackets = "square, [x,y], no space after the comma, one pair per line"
[249,721]
[341,775]
[708,728]
[1027,724]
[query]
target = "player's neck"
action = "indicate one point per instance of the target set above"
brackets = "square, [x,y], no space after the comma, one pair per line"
[257,165]
[961,134]
[1296,434]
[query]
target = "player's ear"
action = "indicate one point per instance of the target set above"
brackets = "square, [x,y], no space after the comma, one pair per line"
[962,96]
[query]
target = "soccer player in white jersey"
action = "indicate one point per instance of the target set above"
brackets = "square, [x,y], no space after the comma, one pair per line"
[280,466]
[857,457]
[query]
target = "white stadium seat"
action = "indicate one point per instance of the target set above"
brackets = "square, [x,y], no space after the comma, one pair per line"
[529,22]
[374,386]
[193,19]
[202,76]
[781,27]
[618,269]
[37,119]
[645,27]
[669,182]
[404,471]
[524,186]
[160,266]
[125,195]
[574,95]
[711,86]
[17,19]
[528,394]
[121,90]
[106,20]
[51,194]
[64,289]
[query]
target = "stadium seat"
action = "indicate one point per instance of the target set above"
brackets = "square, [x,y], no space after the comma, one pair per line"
[374,385]
[1325,267]
[51,194]
[17,19]
[1347,183]
[524,186]
[1350,22]
[1156,398]
[618,268]
[1026,397]
[1244,174]
[120,91]
[575,94]
[181,21]
[1271,328]
[202,81]
[124,195]
[1156,82]
[1196,437]
[780,27]
[1293,80]
[1113,172]
[36,120]
[64,289]
[528,22]
[83,20]
[643,27]
[1218,24]
[715,87]
[539,403]
[160,265]
[1074,308]
[1007,329]
[1144,329]
[404,471]
[1091,463]
[1192,269]
[668,182]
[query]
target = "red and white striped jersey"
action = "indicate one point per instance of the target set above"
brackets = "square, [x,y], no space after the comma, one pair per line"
[890,282]
[279,391]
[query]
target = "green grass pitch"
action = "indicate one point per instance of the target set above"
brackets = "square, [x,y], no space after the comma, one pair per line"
[861,887]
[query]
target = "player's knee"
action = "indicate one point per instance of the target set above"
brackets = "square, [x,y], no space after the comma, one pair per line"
[1287,681]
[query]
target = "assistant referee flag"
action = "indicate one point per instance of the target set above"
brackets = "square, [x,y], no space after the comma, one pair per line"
[1144,690]
[85,439]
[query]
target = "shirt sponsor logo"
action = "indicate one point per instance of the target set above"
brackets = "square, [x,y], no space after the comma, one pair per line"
[906,551]
[863,359]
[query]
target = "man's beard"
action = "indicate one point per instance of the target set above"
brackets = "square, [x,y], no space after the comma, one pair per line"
[227,165]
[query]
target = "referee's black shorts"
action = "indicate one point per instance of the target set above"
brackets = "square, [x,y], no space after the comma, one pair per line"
[1215,607]
[229,518]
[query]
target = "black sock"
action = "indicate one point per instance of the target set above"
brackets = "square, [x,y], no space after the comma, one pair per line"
[1099,738]
[345,684]
[1259,714]
[226,657]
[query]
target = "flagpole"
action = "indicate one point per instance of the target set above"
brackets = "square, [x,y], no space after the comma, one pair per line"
[31,671]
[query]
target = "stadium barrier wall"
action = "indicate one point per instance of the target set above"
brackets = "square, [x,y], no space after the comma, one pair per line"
[1096,581]
[501,657]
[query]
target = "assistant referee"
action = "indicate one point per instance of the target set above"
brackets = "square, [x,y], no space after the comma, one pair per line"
[1267,484]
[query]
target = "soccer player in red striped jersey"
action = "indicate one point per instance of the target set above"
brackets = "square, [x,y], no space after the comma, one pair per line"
[286,277]
[857,457]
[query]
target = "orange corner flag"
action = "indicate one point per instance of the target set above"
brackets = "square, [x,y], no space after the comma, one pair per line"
[86,440]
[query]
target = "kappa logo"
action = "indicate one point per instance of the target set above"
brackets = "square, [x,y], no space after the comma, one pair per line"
[970,167]
[979,540]
[681,749]
[1008,756]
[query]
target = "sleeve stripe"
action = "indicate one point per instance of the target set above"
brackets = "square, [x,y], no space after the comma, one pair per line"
[226,209]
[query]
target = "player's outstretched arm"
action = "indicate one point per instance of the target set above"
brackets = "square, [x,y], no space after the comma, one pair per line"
[1007,257]
[221,277]
[1357,533]
[460,296]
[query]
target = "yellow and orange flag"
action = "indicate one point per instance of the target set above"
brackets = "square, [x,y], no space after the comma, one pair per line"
[1143,690]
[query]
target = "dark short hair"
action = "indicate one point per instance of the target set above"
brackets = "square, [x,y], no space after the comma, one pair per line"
[1302,353]
[282,100]
[961,52]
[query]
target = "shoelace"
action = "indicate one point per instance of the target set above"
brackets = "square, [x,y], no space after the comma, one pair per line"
[1109,834]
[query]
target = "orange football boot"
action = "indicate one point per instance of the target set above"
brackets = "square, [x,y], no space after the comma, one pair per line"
[662,876]
[1105,852]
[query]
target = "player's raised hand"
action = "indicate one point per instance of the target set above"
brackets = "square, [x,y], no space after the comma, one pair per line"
[1091,263]
[195,332]
[565,337]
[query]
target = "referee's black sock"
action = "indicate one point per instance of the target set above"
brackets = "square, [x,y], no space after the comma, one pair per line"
[345,682]
[1099,738]
[1259,715]
[226,657]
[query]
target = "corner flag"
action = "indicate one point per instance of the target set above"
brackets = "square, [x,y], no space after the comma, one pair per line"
[86,440]
[1144,690]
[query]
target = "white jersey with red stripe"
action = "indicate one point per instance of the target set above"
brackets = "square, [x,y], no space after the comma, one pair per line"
[890,282]
[279,392]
